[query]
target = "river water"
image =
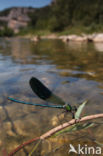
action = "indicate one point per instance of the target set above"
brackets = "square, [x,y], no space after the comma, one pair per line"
[73,71]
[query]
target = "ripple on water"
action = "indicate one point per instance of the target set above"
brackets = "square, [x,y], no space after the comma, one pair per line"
[73,72]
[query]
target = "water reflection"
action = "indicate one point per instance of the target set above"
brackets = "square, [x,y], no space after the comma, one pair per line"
[20,50]
[72,71]
[99,46]
[77,45]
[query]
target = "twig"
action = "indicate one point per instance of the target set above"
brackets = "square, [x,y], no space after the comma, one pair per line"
[56,129]
[22,145]
[67,124]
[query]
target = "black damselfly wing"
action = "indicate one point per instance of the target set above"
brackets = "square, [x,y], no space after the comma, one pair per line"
[43,92]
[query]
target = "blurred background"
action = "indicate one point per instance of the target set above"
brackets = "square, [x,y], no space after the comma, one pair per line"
[51,16]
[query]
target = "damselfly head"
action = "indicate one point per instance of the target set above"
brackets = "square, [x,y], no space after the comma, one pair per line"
[74,108]
[70,108]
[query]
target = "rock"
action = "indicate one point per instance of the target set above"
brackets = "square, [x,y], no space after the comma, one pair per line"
[57,119]
[20,127]
[90,37]
[64,38]
[11,133]
[35,38]
[54,120]
[73,38]
[2,114]
[8,129]
[76,38]
[98,38]
[17,18]
[83,38]
[24,127]
[51,36]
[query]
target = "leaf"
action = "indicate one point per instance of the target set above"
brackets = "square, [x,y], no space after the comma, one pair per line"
[88,125]
[73,128]
[79,110]
[68,129]
[35,147]
[82,126]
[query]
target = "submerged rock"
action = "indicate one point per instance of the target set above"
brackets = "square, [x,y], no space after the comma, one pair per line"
[57,119]
[8,129]
[3,115]
[20,128]
[54,121]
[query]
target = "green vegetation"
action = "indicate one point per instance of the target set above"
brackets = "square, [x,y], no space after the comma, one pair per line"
[79,29]
[68,17]
[78,13]
[65,17]
[31,30]
[40,18]
[5,12]
[6,32]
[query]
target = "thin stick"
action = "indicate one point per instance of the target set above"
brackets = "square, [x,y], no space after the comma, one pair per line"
[67,124]
[22,145]
[56,129]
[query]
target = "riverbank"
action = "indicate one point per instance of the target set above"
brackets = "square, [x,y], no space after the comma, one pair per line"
[96,37]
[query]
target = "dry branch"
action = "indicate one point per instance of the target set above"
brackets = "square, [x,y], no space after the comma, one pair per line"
[56,129]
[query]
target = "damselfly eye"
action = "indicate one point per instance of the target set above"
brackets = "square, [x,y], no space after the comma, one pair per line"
[74,108]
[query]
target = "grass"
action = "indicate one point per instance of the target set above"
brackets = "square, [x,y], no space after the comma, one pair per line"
[31,31]
[78,30]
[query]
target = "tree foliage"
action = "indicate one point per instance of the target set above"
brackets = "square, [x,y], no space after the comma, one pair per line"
[65,13]
[6,32]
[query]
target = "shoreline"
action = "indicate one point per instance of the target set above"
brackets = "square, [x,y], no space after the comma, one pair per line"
[96,37]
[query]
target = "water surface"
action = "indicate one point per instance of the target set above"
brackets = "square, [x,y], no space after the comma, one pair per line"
[73,71]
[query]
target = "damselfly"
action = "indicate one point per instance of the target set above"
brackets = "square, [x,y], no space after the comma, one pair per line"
[44,93]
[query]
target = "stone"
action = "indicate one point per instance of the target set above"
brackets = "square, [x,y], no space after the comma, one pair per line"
[54,120]
[35,38]
[99,46]
[98,38]
[8,129]
[77,38]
